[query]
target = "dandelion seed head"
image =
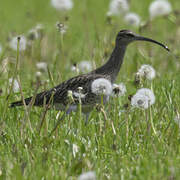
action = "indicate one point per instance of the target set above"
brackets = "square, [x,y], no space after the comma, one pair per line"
[118,7]
[101,86]
[159,8]
[147,71]
[75,68]
[15,85]
[139,101]
[41,66]
[132,19]
[119,90]
[62,5]
[143,98]
[149,93]
[33,34]
[91,175]
[22,44]
[36,32]
[85,66]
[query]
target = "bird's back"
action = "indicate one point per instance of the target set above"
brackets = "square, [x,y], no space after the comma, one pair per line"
[59,94]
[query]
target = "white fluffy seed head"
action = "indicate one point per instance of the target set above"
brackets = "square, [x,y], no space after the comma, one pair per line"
[101,86]
[79,95]
[119,89]
[15,85]
[147,72]
[149,93]
[75,69]
[36,32]
[139,101]
[62,5]
[91,175]
[22,44]
[41,66]
[118,7]
[159,8]
[85,66]
[143,98]
[132,19]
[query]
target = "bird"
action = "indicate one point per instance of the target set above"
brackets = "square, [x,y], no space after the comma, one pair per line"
[109,71]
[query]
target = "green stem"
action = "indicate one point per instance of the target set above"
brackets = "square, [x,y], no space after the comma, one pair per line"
[13,78]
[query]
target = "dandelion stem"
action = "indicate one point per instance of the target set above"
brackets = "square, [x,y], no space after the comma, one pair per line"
[58,121]
[13,78]
[50,77]
[44,113]
[147,120]
[152,123]
[25,107]
[55,127]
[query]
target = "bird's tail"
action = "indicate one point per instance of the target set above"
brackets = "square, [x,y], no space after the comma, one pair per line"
[20,103]
[40,99]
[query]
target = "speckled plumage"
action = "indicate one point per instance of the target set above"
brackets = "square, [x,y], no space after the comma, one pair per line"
[108,71]
[60,92]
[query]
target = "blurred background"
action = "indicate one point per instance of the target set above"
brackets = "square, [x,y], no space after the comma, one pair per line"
[60,39]
[88,31]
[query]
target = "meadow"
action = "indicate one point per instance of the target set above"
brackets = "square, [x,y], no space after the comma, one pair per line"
[135,143]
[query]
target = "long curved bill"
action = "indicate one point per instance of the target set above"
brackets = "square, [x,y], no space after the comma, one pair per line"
[141,38]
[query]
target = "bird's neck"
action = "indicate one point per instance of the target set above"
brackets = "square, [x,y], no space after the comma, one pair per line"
[112,66]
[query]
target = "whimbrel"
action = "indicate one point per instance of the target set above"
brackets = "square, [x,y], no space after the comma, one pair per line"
[108,71]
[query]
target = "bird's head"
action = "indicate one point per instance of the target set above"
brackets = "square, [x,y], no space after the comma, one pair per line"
[124,37]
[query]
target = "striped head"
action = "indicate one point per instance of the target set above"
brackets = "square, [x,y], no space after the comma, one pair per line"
[124,37]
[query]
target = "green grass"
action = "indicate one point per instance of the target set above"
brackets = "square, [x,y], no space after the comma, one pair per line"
[135,151]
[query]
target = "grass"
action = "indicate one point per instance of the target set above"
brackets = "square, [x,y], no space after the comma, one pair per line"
[134,150]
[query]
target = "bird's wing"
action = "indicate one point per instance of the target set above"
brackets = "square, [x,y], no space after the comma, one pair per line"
[59,94]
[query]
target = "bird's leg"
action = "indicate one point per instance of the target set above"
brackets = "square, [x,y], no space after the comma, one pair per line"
[55,127]
[87,118]
[71,108]
[68,111]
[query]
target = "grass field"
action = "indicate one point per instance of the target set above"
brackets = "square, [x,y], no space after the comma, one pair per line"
[145,144]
